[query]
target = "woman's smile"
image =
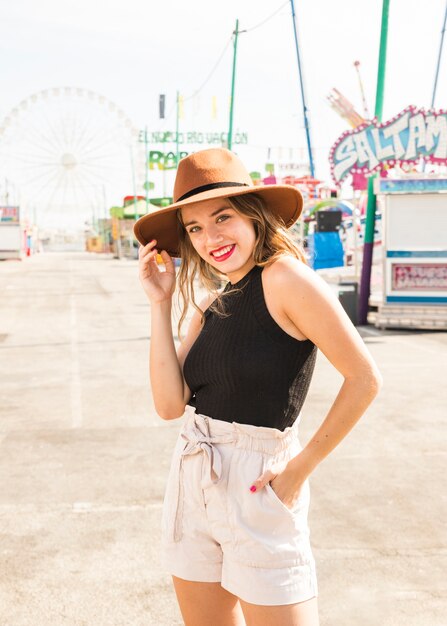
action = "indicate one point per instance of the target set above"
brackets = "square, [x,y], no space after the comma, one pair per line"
[221,254]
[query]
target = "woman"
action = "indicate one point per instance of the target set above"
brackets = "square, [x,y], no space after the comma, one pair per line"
[234,531]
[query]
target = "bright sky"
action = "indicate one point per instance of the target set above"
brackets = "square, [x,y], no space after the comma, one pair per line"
[132,51]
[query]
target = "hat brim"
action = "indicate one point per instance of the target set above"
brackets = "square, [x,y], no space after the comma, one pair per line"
[285,201]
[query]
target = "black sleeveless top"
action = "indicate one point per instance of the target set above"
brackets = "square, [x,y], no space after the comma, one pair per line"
[244,367]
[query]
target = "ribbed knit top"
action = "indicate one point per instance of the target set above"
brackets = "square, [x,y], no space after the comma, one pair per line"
[244,367]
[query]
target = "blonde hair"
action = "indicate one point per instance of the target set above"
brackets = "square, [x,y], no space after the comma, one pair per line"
[272,241]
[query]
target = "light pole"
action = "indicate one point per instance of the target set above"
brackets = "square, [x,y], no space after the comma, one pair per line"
[368,241]
[233,81]
[303,95]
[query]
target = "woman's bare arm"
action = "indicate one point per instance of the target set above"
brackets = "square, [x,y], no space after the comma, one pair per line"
[169,390]
[315,311]
[165,373]
[164,369]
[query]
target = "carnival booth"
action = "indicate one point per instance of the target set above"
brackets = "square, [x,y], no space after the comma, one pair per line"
[414,215]
[12,242]
[409,155]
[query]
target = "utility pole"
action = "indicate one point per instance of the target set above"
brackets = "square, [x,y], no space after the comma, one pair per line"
[134,183]
[135,204]
[146,169]
[104,207]
[177,151]
[233,81]
[303,95]
[368,241]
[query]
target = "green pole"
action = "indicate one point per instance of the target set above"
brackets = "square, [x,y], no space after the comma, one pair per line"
[131,237]
[177,151]
[233,80]
[365,281]
[146,169]
[134,184]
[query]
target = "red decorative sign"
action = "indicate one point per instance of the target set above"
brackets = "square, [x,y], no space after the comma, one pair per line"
[419,276]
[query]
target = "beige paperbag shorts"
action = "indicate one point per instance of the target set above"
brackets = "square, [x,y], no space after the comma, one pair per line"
[215,530]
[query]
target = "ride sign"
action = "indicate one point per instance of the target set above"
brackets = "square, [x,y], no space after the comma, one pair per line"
[412,134]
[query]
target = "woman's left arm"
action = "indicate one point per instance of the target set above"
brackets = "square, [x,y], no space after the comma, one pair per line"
[313,308]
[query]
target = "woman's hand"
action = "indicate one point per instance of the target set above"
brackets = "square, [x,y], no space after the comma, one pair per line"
[157,285]
[284,481]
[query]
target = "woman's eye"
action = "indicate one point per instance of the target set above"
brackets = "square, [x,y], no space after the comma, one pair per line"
[223,217]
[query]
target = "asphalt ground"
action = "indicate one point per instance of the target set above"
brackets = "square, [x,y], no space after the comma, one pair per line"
[84,460]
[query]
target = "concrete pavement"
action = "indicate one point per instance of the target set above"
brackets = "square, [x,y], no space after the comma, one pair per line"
[84,459]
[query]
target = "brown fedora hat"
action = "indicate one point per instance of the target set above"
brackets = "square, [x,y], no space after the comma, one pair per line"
[208,174]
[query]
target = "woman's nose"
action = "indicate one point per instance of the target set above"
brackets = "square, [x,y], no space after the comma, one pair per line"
[213,234]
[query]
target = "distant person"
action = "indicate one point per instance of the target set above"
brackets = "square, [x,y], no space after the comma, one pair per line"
[235,535]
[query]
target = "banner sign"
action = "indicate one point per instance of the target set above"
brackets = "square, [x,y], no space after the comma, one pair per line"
[161,106]
[10,214]
[164,160]
[210,138]
[410,135]
[419,276]
[410,185]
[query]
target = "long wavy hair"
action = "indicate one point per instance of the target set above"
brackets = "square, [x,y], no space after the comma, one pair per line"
[273,240]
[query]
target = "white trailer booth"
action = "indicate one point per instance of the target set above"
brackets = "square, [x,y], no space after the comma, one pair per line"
[414,236]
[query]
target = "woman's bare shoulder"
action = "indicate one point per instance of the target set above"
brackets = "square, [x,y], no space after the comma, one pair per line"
[313,307]
[289,272]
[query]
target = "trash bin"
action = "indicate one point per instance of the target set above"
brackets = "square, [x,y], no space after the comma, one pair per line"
[348,297]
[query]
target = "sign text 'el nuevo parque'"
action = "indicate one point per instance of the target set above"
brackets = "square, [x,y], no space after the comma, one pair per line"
[412,134]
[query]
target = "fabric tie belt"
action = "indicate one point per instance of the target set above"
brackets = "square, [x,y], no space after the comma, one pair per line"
[196,434]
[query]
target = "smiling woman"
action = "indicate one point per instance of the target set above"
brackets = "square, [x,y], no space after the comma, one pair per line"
[235,536]
[241,232]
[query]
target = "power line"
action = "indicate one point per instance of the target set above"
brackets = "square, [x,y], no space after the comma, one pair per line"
[216,65]
[267,19]
[197,91]
[247,30]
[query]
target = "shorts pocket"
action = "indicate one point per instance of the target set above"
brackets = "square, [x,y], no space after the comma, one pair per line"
[301,504]
[274,496]
[266,533]
[272,493]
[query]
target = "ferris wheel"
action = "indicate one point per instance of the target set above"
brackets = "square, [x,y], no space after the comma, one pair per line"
[67,153]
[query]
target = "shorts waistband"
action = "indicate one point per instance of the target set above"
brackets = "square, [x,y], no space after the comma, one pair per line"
[256,438]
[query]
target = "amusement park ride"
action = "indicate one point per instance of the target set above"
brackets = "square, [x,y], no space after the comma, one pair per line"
[65,153]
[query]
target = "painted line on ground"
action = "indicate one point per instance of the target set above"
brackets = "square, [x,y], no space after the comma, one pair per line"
[75,378]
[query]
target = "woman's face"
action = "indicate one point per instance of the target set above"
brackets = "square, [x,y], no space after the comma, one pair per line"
[222,237]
